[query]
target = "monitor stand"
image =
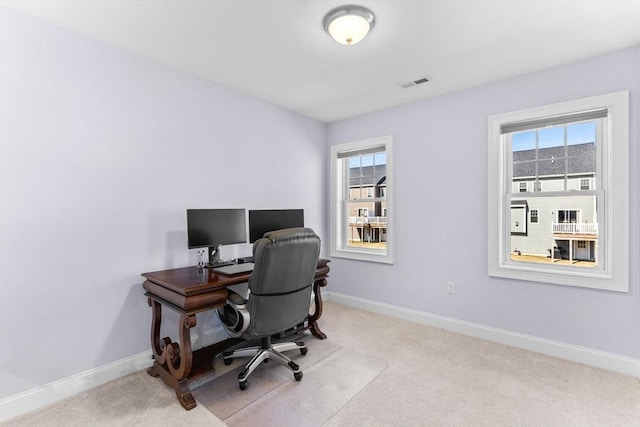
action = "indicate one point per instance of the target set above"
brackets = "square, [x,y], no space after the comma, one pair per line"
[214,257]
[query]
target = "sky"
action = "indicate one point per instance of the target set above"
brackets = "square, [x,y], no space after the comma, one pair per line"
[554,136]
[368,160]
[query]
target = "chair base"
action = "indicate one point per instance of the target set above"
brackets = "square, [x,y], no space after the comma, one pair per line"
[263,353]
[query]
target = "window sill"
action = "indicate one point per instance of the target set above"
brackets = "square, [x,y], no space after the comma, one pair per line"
[359,255]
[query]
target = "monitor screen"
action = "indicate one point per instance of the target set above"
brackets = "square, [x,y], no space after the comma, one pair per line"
[263,221]
[213,227]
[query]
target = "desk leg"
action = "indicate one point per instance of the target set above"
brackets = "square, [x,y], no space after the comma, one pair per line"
[179,356]
[313,319]
[181,387]
[173,360]
[157,345]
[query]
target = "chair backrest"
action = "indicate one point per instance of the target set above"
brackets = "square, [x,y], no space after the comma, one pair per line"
[280,285]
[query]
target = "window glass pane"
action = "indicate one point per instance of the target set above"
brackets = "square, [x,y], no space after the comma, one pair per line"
[551,137]
[523,169]
[523,141]
[560,222]
[555,159]
[556,156]
[366,207]
[365,229]
[581,133]
[551,166]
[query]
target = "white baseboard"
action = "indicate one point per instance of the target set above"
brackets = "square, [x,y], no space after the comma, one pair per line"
[50,393]
[610,361]
[39,397]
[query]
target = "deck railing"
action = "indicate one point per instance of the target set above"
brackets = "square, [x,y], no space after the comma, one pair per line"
[367,220]
[574,228]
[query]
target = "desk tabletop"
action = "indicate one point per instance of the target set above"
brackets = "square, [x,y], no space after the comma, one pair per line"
[190,281]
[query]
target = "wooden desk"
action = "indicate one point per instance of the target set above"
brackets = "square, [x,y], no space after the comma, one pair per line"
[189,291]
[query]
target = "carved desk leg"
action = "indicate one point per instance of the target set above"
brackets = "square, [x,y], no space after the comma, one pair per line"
[157,346]
[173,361]
[179,356]
[313,319]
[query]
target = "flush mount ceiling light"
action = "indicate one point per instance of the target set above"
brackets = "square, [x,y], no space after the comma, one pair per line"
[348,24]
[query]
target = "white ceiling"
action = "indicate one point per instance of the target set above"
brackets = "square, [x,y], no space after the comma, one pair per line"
[277,50]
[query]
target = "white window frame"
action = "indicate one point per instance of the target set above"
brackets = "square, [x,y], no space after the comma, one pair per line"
[338,214]
[613,215]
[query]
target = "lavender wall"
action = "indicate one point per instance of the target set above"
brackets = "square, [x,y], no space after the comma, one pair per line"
[440,149]
[101,152]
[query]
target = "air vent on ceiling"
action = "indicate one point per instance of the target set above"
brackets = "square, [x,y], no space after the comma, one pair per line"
[415,82]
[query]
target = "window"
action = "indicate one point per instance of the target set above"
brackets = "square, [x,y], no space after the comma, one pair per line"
[537,186]
[523,187]
[567,216]
[361,200]
[583,235]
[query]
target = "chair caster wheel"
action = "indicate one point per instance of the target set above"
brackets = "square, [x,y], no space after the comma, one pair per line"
[228,361]
[243,385]
[297,376]
[304,350]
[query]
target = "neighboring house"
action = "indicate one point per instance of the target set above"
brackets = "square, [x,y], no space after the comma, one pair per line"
[555,226]
[367,205]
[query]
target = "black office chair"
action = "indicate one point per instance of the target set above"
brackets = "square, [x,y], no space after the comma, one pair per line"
[278,301]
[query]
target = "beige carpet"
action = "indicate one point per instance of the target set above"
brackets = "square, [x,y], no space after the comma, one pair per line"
[136,400]
[438,378]
[375,371]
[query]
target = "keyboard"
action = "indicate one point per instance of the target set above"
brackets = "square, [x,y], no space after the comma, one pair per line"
[231,270]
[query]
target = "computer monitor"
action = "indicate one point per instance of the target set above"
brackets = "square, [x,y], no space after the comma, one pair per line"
[210,228]
[263,221]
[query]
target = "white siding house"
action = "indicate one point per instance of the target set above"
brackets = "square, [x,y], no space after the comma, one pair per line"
[555,226]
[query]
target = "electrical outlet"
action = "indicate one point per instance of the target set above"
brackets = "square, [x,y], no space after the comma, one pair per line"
[451,288]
